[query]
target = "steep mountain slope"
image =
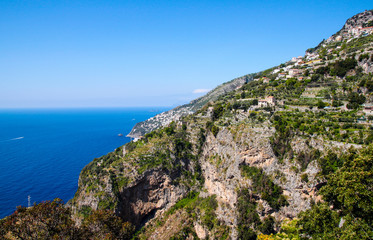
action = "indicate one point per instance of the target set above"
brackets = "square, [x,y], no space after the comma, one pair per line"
[251,159]
[288,155]
[163,119]
[354,27]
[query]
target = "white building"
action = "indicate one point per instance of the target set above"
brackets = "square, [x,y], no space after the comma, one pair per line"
[268,101]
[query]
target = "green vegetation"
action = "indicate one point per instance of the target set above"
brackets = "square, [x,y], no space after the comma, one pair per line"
[162,156]
[282,138]
[217,112]
[362,57]
[185,233]
[318,221]
[355,100]
[368,24]
[205,206]
[331,162]
[289,230]
[349,192]
[248,218]
[264,186]
[306,157]
[340,68]
[193,209]
[349,189]
[317,103]
[304,177]
[187,201]
[278,88]
[359,43]
[52,220]
[332,125]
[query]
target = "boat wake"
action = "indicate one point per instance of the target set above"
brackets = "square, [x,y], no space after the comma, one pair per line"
[16,138]
[13,139]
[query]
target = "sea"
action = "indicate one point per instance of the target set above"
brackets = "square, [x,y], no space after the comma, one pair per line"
[42,151]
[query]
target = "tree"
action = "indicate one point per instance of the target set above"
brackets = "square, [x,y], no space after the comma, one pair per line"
[349,192]
[255,102]
[337,103]
[52,220]
[355,100]
[350,188]
[103,224]
[243,94]
[46,220]
[322,70]
[217,112]
[321,104]
[340,68]
[215,130]
[318,221]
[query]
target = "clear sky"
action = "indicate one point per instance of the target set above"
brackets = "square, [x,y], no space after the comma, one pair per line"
[149,53]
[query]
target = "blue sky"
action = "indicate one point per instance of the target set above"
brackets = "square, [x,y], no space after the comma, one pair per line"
[149,53]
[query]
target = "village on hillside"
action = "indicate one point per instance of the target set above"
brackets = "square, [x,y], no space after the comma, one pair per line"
[353,43]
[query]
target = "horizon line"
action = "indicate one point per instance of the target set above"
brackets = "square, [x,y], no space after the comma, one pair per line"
[85,107]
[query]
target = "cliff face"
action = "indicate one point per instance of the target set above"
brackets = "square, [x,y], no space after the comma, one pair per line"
[135,190]
[235,163]
[213,167]
[148,196]
[359,20]
[354,27]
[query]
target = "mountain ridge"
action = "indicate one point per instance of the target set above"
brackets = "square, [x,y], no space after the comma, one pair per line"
[163,119]
[286,155]
[268,145]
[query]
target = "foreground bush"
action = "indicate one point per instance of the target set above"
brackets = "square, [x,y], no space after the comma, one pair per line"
[52,220]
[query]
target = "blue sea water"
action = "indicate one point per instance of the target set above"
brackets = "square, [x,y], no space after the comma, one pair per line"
[43,151]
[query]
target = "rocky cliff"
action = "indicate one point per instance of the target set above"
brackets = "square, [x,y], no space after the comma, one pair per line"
[238,164]
[361,20]
[354,27]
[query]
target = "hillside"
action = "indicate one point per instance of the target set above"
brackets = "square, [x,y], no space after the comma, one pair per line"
[165,118]
[286,153]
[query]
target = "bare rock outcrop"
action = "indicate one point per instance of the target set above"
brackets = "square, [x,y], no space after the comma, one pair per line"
[148,197]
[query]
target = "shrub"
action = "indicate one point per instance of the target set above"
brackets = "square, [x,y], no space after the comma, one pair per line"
[330,163]
[350,187]
[267,227]
[215,130]
[321,104]
[52,220]
[281,141]
[304,158]
[247,217]
[264,186]
[318,221]
[348,190]
[131,146]
[363,56]
[322,70]
[217,112]
[355,100]
[304,177]
[340,68]
[105,224]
